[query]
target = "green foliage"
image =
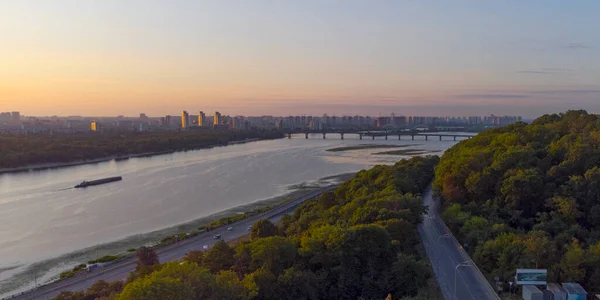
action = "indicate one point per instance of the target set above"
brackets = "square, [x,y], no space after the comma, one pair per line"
[219,257]
[263,228]
[31,149]
[99,290]
[518,195]
[156,288]
[107,258]
[357,242]
[77,269]
[147,257]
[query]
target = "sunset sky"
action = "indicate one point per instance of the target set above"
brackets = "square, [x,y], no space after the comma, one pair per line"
[113,57]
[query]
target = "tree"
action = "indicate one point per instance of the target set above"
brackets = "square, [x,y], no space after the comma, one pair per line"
[521,190]
[538,248]
[147,257]
[231,288]
[572,263]
[299,284]
[195,256]
[156,288]
[273,253]
[409,276]
[402,231]
[103,289]
[68,295]
[200,280]
[263,228]
[219,257]
[366,256]
[567,207]
[476,229]
[263,284]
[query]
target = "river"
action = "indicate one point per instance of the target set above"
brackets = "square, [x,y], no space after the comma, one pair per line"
[47,227]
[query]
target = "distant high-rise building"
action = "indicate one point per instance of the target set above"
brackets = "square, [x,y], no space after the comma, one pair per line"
[144,118]
[201,119]
[185,120]
[238,123]
[95,126]
[316,124]
[217,119]
[16,117]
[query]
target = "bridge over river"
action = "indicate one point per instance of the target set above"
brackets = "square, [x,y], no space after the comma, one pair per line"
[387,134]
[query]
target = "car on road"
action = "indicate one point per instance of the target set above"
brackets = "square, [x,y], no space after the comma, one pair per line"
[249,228]
[218,236]
[230,229]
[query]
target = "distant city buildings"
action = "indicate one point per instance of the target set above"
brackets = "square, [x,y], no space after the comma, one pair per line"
[217,119]
[13,122]
[201,119]
[185,120]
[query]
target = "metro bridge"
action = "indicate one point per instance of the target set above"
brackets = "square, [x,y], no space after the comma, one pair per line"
[379,134]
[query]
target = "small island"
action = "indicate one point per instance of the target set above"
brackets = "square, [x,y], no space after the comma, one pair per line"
[366,146]
[405,152]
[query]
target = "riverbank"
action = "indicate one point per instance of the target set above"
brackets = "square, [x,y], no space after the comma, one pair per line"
[55,165]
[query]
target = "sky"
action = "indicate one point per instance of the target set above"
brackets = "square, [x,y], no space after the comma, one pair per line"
[279,57]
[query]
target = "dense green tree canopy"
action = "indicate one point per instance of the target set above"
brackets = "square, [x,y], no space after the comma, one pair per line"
[528,195]
[263,228]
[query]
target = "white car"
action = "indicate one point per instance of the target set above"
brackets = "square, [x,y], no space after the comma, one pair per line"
[230,229]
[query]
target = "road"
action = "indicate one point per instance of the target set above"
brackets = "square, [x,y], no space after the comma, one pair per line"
[457,275]
[121,269]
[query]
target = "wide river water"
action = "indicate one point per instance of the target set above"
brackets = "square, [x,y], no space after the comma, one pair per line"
[46,226]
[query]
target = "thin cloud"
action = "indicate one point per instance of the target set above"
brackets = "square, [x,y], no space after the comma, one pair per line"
[578,46]
[548,71]
[535,72]
[491,96]
[558,69]
[569,92]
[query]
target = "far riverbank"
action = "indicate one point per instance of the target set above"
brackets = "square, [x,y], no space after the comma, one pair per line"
[54,165]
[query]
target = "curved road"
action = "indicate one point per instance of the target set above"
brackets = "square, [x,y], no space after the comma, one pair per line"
[457,275]
[121,269]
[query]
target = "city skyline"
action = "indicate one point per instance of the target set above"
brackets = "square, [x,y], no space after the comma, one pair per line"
[262,57]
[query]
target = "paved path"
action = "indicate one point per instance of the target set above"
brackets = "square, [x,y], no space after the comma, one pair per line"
[457,275]
[120,270]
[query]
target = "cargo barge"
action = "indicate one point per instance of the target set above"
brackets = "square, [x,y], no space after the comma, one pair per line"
[98,182]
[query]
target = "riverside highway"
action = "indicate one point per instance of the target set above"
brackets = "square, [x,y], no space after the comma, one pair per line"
[121,269]
[457,275]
